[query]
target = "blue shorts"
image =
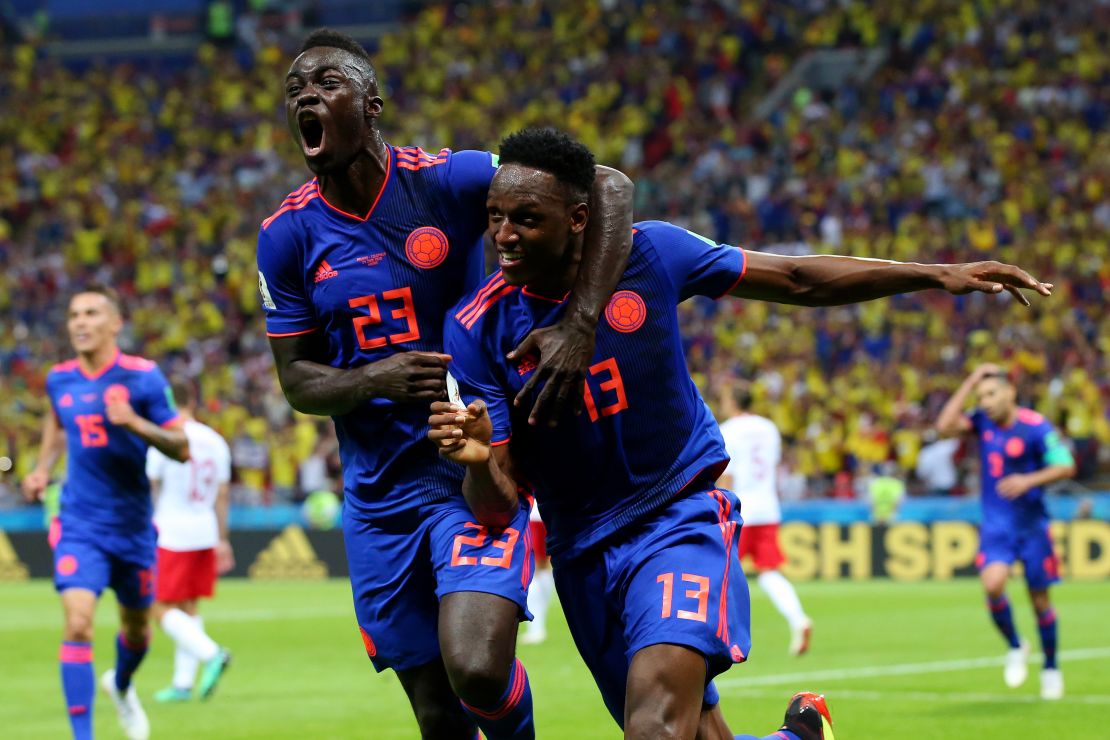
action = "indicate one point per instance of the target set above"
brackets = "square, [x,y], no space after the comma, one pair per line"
[92,559]
[1033,548]
[402,565]
[673,577]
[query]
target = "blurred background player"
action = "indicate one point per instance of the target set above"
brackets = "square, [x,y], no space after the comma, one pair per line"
[754,447]
[628,487]
[360,341]
[1020,453]
[191,515]
[106,408]
[542,590]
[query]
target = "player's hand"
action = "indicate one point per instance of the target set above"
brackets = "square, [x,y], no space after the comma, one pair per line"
[1014,485]
[991,277]
[225,558]
[565,351]
[410,377]
[119,412]
[462,435]
[34,484]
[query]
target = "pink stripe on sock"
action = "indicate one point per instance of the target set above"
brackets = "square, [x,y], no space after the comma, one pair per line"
[136,646]
[1046,618]
[79,709]
[75,654]
[999,605]
[515,694]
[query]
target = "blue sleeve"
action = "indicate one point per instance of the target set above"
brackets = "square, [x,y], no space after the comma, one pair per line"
[471,365]
[157,402]
[281,282]
[467,176]
[696,265]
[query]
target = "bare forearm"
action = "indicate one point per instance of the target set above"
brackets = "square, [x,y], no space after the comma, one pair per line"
[608,243]
[830,280]
[171,442]
[490,494]
[949,422]
[51,448]
[223,505]
[1051,474]
[323,390]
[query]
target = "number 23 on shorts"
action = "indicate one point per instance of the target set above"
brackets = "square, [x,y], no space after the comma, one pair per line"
[478,541]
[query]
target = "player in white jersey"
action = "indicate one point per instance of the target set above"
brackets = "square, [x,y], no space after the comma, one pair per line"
[542,589]
[193,547]
[755,447]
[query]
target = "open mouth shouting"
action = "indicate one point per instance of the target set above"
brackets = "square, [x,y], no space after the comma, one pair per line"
[313,137]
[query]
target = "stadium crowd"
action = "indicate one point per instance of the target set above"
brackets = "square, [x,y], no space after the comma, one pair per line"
[986,134]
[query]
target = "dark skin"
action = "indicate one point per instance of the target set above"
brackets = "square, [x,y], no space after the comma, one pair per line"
[537,223]
[332,106]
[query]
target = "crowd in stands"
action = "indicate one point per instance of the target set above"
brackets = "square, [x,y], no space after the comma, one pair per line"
[985,135]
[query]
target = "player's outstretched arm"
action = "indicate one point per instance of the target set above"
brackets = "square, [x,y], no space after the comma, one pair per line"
[464,435]
[952,421]
[312,387]
[831,280]
[566,349]
[52,446]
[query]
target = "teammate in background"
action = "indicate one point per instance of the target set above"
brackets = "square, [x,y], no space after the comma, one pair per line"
[1020,453]
[542,590]
[106,409]
[642,541]
[191,515]
[754,447]
[357,270]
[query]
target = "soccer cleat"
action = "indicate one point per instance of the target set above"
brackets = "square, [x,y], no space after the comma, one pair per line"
[1017,666]
[211,673]
[132,718]
[533,636]
[1052,684]
[799,639]
[807,716]
[173,695]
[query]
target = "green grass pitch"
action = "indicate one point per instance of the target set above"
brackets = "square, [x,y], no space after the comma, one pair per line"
[894,659]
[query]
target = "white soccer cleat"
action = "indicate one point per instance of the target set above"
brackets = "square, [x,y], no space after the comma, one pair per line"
[1052,684]
[533,635]
[132,718]
[1017,666]
[799,638]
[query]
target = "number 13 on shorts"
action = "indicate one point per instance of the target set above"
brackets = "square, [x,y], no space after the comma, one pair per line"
[699,595]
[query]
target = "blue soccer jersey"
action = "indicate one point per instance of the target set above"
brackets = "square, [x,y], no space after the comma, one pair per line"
[106,483]
[1029,445]
[645,433]
[375,286]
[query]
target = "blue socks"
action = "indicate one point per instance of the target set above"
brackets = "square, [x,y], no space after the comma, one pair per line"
[511,718]
[78,686]
[128,658]
[780,735]
[1004,619]
[1046,625]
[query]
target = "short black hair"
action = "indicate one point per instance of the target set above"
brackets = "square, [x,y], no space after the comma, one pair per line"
[331,38]
[101,289]
[554,151]
[742,395]
[184,392]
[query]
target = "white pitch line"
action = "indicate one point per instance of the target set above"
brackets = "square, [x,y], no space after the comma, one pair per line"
[900,669]
[1099,699]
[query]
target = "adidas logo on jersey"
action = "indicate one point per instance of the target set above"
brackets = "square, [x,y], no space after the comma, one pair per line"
[325,272]
[289,555]
[11,567]
[66,400]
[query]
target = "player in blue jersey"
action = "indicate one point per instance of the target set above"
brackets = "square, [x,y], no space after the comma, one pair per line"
[106,409]
[1020,453]
[642,542]
[357,270]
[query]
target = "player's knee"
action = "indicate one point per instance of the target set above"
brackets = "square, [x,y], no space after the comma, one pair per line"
[475,678]
[78,627]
